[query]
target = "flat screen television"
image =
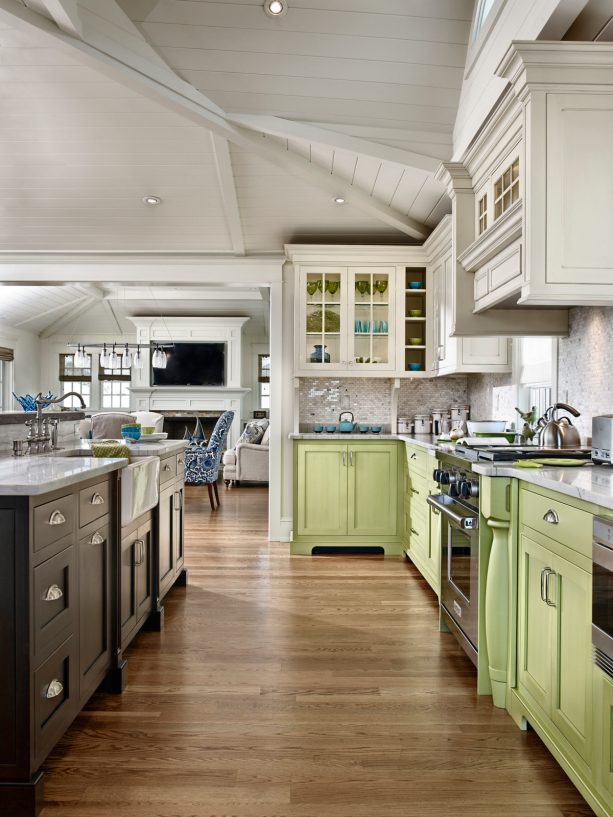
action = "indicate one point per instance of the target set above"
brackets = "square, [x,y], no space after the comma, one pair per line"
[192,364]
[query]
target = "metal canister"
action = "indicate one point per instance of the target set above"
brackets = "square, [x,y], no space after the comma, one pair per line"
[404,425]
[423,424]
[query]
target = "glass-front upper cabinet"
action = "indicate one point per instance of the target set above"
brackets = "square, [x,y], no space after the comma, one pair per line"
[346,319]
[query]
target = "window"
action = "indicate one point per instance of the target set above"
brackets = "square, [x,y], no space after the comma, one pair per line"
[264,380]
[536,373]
[76,379]
[115,386]
[482,215]
[483,9]
[6,370]
[506,189]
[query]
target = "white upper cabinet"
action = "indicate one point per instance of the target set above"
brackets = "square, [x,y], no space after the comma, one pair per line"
[532,195]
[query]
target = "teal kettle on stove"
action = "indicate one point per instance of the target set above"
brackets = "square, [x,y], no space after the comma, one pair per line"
[344,425]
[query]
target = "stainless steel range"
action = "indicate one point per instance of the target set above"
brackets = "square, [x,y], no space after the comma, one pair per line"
[458,504]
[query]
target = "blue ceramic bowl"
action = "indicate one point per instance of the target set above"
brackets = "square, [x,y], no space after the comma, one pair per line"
[375,429]
[415,284]
[318,429]
[130,433]
[330,429]
[414,367]
[362,429]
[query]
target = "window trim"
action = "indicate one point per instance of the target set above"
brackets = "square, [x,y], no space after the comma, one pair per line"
[477,41]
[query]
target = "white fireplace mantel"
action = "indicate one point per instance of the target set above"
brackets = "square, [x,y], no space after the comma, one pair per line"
[145,397]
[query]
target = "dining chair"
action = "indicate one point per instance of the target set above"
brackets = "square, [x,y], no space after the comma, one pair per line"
[202,464]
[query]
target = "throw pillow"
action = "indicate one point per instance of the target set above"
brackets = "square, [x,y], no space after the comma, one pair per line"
[254,431]
[266,437]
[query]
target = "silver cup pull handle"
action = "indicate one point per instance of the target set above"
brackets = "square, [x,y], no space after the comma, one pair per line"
[53,593]
[97,499]
[551,517]
[56,518]
[53,689]
[96,539]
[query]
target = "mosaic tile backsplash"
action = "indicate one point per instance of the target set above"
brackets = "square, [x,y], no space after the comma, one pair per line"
[423,396]
[321,400]
[492,397]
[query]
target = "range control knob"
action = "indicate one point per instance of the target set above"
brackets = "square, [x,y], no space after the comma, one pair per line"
[453,490]
[469,489]
[437,475]
[444,478]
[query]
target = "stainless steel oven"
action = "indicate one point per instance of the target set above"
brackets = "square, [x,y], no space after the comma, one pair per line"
[602,594]
[458,505]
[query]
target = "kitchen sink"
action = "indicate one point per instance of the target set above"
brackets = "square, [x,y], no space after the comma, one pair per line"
[139,483]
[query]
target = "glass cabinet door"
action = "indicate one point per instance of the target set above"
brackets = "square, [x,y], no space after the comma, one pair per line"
[371,317]
[323,318]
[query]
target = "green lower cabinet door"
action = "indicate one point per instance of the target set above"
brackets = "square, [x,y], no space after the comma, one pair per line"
[535,644]
[373,489]
[570,590]
[606,742]
[322,489]
[434,558]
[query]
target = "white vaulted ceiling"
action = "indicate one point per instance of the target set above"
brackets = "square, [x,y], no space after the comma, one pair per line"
[350,97]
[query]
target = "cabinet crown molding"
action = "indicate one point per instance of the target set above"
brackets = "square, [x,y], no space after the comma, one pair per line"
[455,176]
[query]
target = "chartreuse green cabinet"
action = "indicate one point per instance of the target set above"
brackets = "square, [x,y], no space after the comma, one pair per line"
[347,494]
[552,682]
[422,524]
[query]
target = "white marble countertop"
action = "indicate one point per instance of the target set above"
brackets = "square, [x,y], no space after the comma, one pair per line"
[423,440]
[591,483]
[27,476]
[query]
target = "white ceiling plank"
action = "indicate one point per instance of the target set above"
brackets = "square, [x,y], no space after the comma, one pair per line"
[225,178]
[43,312]
[68,317]
[302,130]
[170,90]
[109,308]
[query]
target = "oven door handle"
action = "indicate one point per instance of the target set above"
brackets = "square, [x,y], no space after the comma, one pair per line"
[463,522]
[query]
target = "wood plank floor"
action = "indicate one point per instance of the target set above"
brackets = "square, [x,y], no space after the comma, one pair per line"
[298,687]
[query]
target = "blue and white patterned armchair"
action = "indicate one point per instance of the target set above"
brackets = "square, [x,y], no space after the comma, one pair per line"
[202,464]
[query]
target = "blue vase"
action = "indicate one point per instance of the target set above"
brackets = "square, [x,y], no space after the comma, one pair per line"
[319,354]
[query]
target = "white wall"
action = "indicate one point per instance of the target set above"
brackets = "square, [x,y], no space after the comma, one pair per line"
[27,365]
[509,20]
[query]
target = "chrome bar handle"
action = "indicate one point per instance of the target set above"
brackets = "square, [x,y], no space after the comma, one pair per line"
[141,551]
[344,458]
[351,458]
[53,689]
[56,518]
[53,593]
[548,575]
[551,517]
[543,597]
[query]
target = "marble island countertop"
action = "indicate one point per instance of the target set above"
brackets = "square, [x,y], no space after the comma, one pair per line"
[144,449]
[27,476]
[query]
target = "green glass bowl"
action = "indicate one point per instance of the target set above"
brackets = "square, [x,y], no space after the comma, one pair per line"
[415,313]
[415,342]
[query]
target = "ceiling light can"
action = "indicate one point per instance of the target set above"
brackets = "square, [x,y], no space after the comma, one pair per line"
[152,200]
[339,200]
[275,8]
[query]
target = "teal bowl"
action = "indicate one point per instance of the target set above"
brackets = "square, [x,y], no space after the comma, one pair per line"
[414,367]
[318,429]
[375,429]
[415,285]
[130,433]
[362,429]
[330,429]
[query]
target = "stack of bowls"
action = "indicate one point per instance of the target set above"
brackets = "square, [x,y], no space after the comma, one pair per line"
[131,431]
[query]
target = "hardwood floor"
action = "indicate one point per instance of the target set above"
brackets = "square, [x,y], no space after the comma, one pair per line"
[298,687]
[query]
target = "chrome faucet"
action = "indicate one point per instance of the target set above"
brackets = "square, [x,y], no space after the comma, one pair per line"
[40,439]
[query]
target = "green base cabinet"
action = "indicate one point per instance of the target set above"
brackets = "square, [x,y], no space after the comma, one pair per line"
[346,494]
[603,727]
[422,524]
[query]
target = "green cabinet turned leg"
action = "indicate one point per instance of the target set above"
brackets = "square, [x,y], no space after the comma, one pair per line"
[497,610]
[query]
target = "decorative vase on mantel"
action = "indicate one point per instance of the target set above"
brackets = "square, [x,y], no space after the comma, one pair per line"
[320,354]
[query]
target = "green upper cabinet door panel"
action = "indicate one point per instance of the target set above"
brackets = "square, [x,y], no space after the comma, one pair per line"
[321,501]
[571,706]
[535,646]
[373,489]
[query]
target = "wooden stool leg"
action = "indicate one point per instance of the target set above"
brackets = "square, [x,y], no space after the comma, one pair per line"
[211,500]
[216,493]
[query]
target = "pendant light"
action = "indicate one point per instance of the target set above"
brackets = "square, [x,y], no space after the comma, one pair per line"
[104,357]
[138,359]
[114,360]
[127,358]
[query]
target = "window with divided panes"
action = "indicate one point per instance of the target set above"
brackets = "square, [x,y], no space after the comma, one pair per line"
[6,364]
[264,380]
[74,378]
[482,215]
[115,386]
[506,189]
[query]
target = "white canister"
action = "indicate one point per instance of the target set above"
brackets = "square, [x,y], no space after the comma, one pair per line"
[459,414]
[423,424]
[405,425]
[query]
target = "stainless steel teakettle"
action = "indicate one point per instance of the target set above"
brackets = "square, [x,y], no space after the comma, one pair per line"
[558,432]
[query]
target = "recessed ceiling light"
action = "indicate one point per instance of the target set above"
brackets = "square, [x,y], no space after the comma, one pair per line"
[339,200]
[275,8]
[152,200]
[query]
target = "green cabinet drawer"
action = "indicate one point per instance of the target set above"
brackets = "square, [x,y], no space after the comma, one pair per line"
[418,460]
[564,523]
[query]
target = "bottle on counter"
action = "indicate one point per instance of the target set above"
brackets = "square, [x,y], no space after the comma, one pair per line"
[440,422]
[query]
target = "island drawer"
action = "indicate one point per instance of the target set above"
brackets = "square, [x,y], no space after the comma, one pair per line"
[168,469]
[418,460]
[52,521]
[181,465]
[94,502]
[54,600]
[564,523]
[55,693]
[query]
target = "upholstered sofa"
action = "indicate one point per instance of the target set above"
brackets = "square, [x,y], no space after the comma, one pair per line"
[248,461]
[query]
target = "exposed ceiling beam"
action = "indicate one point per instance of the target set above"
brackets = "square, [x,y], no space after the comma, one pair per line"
[227,188]
[68,317]
[65,13]
[92,290]
[342,141]
[161,84]
[50,311]
[184,294]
